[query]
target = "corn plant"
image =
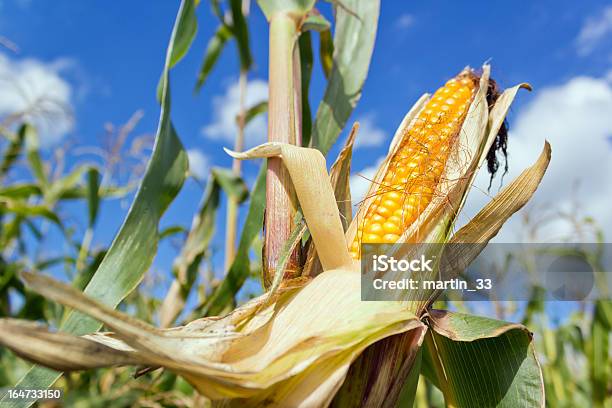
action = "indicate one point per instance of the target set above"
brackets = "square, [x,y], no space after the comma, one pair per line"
[308,340]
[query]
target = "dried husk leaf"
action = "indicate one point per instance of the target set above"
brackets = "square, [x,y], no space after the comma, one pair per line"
[470,240]
[275,354]
[340,174]
[316,196]
[76,353]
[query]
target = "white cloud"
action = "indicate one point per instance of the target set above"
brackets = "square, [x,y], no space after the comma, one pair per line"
[225,108]
[594,31]
[369,133]
[575,118]
[36,89]
[198,163]
[405,21]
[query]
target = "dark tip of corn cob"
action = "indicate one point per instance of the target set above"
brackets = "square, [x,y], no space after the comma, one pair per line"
[501,140]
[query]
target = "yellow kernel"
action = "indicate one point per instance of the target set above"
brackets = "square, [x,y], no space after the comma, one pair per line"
[390,205]
[371,239]
[394,195]
[392,228]
[385,212]
[375,228]
[395,219]
[390,238]
[377,218]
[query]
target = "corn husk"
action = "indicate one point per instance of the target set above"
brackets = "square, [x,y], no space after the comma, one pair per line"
[293,346]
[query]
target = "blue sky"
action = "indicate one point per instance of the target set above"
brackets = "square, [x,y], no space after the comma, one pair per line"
[104,60]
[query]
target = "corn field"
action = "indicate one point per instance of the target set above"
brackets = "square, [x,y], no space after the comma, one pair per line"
[280,320]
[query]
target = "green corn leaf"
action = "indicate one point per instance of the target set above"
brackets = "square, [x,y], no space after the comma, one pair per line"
[241,33]
[326,52]
[306,62]
[33,154]
[254,111]
[240,269]
[93,196]
[353,45]
[215,5]
[26,190]
[134,247]
[12,152]
[183,33]
[231,184]
[481,362]
[171,231]
[20,191]
[58,188]
[26,210]
[212,53]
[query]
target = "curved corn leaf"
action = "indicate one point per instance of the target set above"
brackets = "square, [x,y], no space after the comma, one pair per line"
[353,45]
[183,33]
[339,175]
[134,247]
[255,110]
[212,53]
[481,362]
[489,220]
[314,191]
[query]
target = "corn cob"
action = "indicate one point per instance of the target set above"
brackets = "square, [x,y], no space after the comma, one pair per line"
[416,167]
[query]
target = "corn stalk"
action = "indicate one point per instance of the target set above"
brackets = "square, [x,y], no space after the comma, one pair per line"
[284,125]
